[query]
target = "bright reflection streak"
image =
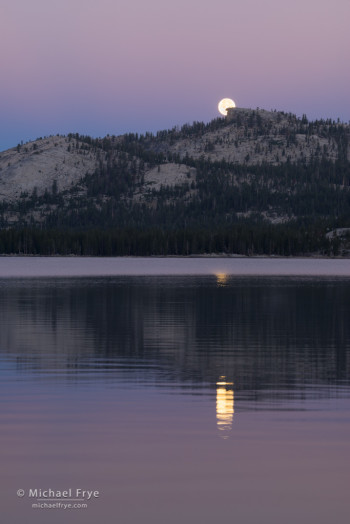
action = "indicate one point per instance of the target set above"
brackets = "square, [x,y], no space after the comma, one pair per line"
[224,406]
[221,279]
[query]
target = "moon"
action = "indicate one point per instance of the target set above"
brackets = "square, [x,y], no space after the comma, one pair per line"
[224,104]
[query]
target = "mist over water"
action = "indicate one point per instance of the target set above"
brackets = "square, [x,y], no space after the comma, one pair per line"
[41,267]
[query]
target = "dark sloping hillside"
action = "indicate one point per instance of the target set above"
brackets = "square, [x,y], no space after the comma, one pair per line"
[255,182]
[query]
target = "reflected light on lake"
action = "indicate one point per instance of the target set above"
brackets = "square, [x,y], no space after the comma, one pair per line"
[221,279]
[224,406]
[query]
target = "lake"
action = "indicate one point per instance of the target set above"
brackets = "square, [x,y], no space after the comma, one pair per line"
[169,390]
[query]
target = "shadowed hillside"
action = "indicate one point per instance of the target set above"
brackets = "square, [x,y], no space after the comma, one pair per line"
[255,182]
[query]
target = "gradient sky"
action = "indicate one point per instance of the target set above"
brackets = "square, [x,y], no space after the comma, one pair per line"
[117,66]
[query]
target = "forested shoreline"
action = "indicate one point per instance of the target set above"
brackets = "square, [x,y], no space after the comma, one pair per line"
[241,240]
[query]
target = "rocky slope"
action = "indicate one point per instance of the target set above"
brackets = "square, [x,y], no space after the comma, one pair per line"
[257,136]
[249,137]
[255,166]
[38,164]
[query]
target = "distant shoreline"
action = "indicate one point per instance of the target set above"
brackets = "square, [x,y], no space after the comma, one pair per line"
[206,255]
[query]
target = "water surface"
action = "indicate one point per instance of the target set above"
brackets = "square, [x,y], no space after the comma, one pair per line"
[181,398]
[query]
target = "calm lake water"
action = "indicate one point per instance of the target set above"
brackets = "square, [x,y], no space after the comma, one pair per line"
[182,390]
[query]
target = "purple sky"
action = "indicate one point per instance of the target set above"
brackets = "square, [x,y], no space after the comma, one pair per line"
[117,66]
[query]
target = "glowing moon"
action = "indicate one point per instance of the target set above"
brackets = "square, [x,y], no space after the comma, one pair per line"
[224,104]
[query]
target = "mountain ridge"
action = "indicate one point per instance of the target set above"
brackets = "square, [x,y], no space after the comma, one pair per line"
[254,168]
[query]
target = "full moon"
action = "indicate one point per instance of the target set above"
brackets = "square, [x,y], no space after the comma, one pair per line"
[224,104]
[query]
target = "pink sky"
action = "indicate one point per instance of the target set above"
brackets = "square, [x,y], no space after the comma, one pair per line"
[118,66]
